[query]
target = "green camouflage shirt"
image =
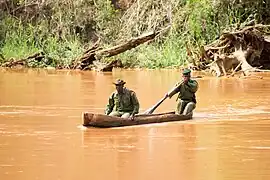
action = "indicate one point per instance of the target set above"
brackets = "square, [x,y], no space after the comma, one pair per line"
[124,102]
[186,91]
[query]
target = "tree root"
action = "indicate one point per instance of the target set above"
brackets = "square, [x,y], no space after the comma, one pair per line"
[245,49]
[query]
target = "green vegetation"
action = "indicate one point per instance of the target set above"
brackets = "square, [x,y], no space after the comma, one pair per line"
[63,29]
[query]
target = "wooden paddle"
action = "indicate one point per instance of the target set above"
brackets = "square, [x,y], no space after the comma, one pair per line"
[153,108]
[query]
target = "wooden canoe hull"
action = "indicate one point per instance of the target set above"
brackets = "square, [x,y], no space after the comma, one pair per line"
[104,121]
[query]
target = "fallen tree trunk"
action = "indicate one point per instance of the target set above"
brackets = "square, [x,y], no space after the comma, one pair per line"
[96,54]
[132,43]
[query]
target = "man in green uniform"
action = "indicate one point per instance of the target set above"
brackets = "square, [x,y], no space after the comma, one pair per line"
[186,97]
[123,102]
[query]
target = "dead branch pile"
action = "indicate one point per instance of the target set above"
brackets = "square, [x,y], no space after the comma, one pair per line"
[247,50]
[38,57]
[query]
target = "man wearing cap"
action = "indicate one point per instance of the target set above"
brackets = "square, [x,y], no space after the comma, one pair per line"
[123,102]
[186,97]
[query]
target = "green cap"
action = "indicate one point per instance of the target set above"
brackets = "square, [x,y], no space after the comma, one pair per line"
[186,72]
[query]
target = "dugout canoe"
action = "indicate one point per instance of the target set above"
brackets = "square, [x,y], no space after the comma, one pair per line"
[104,121]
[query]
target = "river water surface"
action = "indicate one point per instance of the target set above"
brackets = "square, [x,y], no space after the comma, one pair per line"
[41,137]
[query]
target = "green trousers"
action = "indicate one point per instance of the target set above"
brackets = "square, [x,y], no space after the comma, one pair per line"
[120,114]
[185,107]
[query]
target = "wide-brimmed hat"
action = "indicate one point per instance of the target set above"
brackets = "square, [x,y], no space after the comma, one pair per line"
[119,82]
[186,72]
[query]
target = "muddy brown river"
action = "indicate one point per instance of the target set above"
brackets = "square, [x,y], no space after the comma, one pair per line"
[41,137]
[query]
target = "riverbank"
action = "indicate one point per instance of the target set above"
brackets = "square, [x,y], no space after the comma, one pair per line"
[245,50]
[63,30]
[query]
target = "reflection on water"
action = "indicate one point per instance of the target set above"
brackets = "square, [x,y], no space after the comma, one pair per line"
[42,137]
